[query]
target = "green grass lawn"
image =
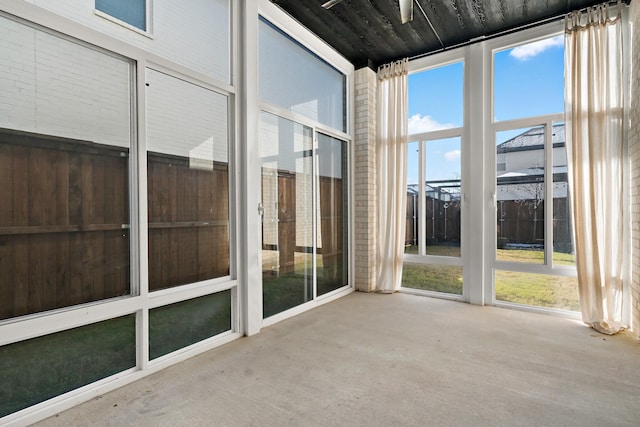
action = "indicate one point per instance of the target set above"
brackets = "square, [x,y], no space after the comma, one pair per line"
[438,278]
[38,369]
[540,290]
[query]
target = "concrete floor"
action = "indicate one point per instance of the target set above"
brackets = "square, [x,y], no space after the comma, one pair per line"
[391,360]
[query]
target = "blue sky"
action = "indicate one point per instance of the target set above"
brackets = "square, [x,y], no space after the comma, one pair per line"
[529,81]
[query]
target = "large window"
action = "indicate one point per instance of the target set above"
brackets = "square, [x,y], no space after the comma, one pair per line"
[65,127]
[188,182]
[304,159]
[434,187]
[312,87]
[116,244]
[534,251]
[493,112]
[304,190]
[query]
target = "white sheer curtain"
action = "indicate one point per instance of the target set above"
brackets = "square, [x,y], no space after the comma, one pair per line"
[597,160]
[392,122]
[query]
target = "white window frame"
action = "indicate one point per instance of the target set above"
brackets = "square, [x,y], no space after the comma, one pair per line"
[478,243]
[148,11]
[254,106]
[493,126]
[141,300]
[417,66]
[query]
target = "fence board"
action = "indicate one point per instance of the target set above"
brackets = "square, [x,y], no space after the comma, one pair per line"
[54,250]
[188,230]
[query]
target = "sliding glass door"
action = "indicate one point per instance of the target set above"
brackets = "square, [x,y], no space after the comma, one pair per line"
[287,221]
[304,213]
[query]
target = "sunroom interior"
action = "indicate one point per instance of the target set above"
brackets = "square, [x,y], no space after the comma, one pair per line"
[175,177]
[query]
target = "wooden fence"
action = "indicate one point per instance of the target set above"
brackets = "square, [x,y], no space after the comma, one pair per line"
[331,226]
[188,221]
[64,213]
[64,222]
[442,221]
[520,222]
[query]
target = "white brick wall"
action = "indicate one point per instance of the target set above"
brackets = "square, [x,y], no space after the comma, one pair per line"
[53,86]
[365,180]
[186,120]
[634,152]
[194,33]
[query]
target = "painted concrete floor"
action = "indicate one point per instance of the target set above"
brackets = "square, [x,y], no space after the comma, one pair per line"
[391,360]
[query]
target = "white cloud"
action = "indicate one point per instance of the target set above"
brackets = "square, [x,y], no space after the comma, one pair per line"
[419,124]
[452,155]
[530,50]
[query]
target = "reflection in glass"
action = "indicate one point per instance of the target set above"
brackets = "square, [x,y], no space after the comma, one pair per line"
[179,325]
[287,222]
[429,277]
[331,262]
[41,368]
[64,172]
[541,290]
[188,182]
[293,78]
[520,195]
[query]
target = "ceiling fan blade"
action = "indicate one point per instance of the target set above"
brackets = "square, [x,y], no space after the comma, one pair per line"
[331,3]
[406,10]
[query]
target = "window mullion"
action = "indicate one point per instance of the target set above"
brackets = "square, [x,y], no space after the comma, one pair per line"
[548,195]
[422,199]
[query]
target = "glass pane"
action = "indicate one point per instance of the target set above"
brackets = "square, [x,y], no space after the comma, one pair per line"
[63,88]
[563,253]
[540,290]
[188,182]
[437,278]
[442,208]
[442,215]
[520,192]
[293,78]
[287,223]
[413,178]
[529,79]
[435,98]
[64,172]
[38,369]
[331,260]
[130,11]
[179,325]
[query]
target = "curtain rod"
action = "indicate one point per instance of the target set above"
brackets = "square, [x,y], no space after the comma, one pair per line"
[513,30]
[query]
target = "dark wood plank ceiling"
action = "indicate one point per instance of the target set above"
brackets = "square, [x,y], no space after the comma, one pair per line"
[370,33]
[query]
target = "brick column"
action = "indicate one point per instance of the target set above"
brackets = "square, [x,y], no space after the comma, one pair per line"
[634,154]
[365,180]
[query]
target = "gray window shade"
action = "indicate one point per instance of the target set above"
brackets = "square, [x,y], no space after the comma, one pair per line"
[132,12]
[292,77]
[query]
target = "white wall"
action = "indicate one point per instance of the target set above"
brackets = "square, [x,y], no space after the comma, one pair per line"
[193,33]
[520,160]
[186,120]
[54,86]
